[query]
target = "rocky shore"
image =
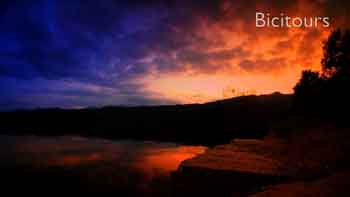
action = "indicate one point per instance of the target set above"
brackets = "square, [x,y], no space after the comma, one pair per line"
[268,167]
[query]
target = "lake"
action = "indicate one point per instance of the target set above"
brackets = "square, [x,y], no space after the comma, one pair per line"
[86,165]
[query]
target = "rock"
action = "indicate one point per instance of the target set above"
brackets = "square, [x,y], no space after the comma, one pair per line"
[240,167]
[336,184]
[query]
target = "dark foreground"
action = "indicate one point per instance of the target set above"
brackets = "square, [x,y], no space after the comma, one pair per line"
[284,152]
[313,164]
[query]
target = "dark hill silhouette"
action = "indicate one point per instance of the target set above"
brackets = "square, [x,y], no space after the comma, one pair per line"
[210,123]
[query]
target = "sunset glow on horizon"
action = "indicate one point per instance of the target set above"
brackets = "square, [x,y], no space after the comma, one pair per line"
[272,63]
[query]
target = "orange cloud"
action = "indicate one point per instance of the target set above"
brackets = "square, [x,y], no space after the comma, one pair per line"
[235,57]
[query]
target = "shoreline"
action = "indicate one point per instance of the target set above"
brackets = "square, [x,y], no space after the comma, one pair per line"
[261,168]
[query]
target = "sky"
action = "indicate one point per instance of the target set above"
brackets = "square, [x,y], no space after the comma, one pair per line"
[82,53]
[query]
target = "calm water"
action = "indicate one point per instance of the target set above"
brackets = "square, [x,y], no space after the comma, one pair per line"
[99,164]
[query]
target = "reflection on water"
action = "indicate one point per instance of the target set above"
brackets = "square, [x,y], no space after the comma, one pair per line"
[131,163]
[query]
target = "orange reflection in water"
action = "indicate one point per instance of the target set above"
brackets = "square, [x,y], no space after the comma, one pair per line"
[148,158]
[75,160]
[168,159]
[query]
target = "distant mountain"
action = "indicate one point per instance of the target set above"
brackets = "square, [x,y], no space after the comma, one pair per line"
[209,123]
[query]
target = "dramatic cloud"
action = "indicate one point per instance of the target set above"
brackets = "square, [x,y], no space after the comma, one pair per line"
[87,53]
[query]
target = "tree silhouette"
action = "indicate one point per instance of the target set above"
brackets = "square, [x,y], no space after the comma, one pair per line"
[336,56]
[308,88]
[328,91]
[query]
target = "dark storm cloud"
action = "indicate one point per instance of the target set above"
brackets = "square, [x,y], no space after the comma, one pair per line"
[86,42]
[71,39]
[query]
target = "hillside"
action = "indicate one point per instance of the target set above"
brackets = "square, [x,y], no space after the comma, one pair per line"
[209,123]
